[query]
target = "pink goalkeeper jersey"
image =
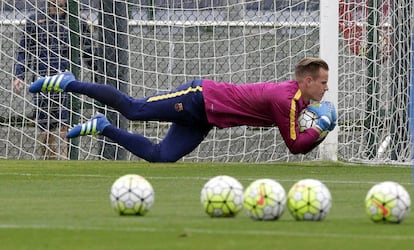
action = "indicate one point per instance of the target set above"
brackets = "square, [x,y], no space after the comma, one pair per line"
[260,104]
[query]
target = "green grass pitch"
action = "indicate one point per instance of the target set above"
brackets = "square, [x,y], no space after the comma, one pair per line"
[65,205]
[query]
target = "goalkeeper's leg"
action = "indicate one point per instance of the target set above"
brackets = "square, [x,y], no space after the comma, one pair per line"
[179,141]
[184,105]
[66,82]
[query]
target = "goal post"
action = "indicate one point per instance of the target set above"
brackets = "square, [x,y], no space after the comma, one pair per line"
[329,51]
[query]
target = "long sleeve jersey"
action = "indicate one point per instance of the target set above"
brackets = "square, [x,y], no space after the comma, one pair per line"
[260,104]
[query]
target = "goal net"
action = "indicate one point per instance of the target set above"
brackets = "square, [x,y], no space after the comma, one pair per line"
[146,46]
[374,71]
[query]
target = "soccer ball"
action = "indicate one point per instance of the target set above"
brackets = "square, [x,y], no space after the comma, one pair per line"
[309,199]
[222,196]
[308,119]
[131,195]
[387,202]
[264,199]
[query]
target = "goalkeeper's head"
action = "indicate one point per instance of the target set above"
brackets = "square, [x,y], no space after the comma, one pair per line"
[310,66]
[312,76]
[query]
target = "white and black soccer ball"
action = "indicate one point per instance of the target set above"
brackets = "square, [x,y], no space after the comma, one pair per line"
[309,199]
[387,202]
[308,119]
[131,194]
[265,199]
[222,196]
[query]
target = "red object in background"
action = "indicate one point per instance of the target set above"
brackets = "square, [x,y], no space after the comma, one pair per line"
[352,16]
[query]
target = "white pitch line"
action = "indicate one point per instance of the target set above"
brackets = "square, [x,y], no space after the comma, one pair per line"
[215,231]
[78,228]
[55,175]
[307,234]
[189,178]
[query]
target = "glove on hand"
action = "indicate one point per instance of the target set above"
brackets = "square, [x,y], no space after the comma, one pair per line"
[326,115]
[333,115]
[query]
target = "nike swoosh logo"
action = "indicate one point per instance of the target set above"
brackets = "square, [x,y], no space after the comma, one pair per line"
[380,206]
[261,195]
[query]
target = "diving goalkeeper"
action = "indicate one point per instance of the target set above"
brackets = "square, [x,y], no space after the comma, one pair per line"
[194,108]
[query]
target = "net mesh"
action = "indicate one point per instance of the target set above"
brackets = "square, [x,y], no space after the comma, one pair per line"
[143,47]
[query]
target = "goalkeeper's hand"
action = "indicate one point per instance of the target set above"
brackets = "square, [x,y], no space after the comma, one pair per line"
[326,115]
[333,115]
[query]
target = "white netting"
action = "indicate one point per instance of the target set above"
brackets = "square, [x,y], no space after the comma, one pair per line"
[145,46]
[374,76]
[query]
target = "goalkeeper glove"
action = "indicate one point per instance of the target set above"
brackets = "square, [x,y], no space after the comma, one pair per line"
[326,115]
[332,109]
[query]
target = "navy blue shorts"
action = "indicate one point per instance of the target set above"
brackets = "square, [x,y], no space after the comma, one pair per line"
[183,105]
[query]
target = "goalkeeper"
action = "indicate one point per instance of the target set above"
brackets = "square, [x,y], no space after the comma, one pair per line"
[194,108]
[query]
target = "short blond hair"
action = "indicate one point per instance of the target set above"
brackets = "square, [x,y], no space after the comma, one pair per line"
[310,66]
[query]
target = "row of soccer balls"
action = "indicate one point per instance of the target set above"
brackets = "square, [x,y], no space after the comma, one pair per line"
[264,199]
